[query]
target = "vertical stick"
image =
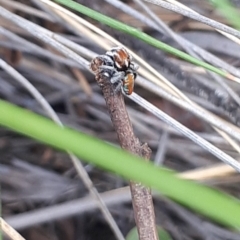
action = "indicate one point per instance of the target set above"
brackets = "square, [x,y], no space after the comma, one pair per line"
[141,196]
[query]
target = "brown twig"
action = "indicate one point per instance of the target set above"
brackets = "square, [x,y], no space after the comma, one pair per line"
[141,195]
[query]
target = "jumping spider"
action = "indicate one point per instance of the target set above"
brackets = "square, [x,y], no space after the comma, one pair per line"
[117,66]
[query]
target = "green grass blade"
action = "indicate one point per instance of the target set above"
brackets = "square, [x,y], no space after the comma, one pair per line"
[138,34]
[162,234]
[1,233]
[214,204]
[227,10]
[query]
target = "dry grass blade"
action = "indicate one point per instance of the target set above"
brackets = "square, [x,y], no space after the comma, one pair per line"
[196,16]
[219,123]
[160,26]
[191,49]
[188,133]
[232,37]
[9,231]
[207,172]
[42,34]
[22,7]
[68,209]
[31,47]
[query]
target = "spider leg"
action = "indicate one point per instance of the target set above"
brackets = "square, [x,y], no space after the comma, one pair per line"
[118,87]
[106,71]
[111,72]
[106,59]
[108,68]
[117,77]
[134,66]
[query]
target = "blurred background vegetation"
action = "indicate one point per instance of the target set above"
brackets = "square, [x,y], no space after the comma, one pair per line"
[42,195]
